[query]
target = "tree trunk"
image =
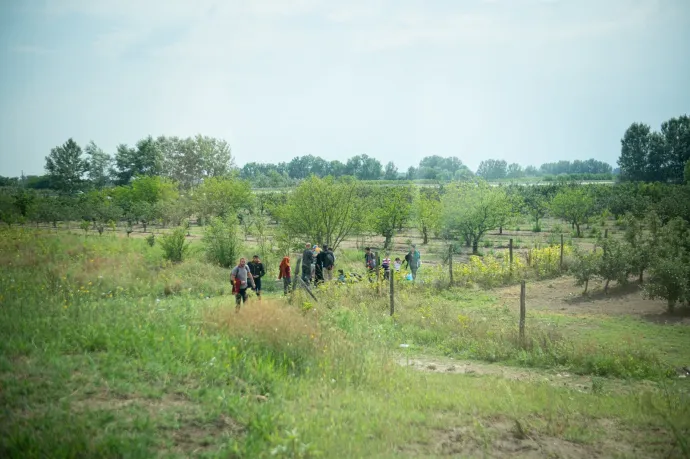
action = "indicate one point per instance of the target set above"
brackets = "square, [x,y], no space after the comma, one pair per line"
[500,229]
[671,305]
[387,242]
[425,234]
[475,247]
[577,226]
[641,276]
[606,287]
[144,224]
[586,285]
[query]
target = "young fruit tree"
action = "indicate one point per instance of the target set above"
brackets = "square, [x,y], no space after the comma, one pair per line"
[470,210]
[574,205]
[585,266]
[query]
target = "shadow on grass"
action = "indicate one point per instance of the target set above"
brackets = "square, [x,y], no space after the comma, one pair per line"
[617,291]
[679,315]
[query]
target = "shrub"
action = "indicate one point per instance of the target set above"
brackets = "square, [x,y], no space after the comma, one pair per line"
[222,241]
[151,240]
[175,245]
[614,263]
[585,266]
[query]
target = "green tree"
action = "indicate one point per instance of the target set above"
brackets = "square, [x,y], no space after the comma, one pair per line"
[222,197]
[189,161]
[222,241]
[427,212]
[469,210]
[145,159]
[492,169]
[323,211]
[635,152]
[391,172]
[686,175]
[642,245]
[536,203]
[66,167]
[614,262]
[98,165]
[389,211]
[585,266]
[574,205]
[676,134]
[669,270]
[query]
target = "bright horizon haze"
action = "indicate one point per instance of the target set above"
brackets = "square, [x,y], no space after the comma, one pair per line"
[527,81]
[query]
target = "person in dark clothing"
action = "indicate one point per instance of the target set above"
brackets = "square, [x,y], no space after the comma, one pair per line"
[258,271]
[307,261]
[370,261]
[322,263]
[327,261]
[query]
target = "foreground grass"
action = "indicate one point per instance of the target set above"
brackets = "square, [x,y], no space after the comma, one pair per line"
[110,352]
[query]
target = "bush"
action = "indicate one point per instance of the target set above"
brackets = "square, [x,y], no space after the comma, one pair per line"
[151,240]
[585,266]
[222,241]
[175,245]
[614,263]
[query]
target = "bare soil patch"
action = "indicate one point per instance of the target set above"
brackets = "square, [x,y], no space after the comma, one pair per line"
[563,296]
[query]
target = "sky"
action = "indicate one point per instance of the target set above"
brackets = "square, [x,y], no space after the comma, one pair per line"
[527,81]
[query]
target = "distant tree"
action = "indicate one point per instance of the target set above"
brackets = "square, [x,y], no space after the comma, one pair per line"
[390,210]
[426,212]
[221,197]
[322,211]
[515,171]
[686,174]
[189,161]
[536,203]
[492,169]
[99,164]
[676,133]
[531,171]
[391,172]
[364,168]
[635,147]
[574,205]
[145,159]
[469,210]
[66,167]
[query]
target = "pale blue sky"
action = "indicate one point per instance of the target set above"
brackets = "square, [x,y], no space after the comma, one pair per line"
[527,81]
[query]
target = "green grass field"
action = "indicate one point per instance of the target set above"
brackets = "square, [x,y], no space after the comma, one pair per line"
[109,351]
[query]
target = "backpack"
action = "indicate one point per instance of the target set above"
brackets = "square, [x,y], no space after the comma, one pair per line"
[331,258]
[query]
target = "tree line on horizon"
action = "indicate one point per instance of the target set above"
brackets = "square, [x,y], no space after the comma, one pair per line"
[646,155]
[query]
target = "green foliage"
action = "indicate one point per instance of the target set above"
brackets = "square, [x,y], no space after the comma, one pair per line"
[66,167]
[614,263]
[669,270]
[585,266]
[85,225]
[389,210]
[188,161]
[469,210]
[426,210]
[151,240]
[222,241]
[175,245]
[642,245]
[144,160]
[222,197]
[574,205]
[323,211]
[98,165]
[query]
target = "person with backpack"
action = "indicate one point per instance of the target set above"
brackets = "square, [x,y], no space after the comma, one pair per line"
[329,263]
[285,274]
[414,260]
[370,262]
[258,271]
[241,278]
[307,261]
[322,262]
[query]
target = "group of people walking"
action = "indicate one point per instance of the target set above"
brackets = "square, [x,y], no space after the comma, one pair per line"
[412,261]
[317,267]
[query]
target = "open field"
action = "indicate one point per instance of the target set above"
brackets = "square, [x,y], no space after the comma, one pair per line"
[111,351]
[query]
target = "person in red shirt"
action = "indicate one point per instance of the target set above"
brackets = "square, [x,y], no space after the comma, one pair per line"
[285,274]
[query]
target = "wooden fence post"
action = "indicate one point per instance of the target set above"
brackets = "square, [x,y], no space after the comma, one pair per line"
[561,266]
[606,233]
[522,312]
[510,251]
[392,291]
[450,263]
